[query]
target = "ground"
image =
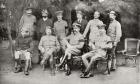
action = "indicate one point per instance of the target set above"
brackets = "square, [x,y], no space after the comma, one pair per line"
[123,74]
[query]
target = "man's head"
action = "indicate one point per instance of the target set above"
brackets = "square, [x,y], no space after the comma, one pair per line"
[44,13]
[29,11]
[76,27]
[48,30]
[59,15]
[102,30]
[79,14]
[25,33]
[96,14]
[112,15]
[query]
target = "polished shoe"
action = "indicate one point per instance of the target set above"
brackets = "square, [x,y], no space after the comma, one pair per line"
[26,73]
[90,75]
[112,69]
[86,75]
[17,69]
[68,72]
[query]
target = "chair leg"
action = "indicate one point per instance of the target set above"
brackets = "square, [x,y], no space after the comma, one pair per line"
[108,66]
[43,67]
[30,65]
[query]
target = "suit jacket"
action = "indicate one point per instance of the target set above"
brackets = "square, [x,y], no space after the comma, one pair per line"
[83,24]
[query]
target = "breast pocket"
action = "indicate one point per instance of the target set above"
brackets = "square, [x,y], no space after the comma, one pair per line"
[52,42]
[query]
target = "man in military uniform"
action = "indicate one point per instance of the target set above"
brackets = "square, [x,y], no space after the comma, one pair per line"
[93,27]
[115,32]
[98,49]
[74,43]
[23,49]
[60,28]
[81,21]
[27,22]
[43,22]
[48,46]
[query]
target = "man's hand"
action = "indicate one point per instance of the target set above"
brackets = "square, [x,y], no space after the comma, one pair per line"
[84,36]
[115,44]
[42,50]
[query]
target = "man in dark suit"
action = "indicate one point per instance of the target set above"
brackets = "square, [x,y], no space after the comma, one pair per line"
[43,22]
[81,21]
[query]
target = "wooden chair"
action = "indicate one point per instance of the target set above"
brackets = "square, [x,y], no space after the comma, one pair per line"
[104,63]
[131,49]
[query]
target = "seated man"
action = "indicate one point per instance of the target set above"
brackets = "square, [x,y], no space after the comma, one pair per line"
[48,46]
[98,50]
[23,49]
[74,43]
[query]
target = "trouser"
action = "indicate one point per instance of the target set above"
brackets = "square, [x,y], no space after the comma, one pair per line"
[68,53]
[93,57]
[25,55]
[49,55]
[113,65]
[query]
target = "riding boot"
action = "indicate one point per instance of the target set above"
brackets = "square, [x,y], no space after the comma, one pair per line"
[26,71]
[68,71]
[17,66]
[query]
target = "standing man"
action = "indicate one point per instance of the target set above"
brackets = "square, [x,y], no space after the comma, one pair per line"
[27,22]
[115,32]
[60,28]
[81,21]
[83,24]
[93,27]
[42,23]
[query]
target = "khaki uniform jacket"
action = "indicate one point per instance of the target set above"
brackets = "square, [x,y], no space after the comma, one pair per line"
[114,31]
[48,42]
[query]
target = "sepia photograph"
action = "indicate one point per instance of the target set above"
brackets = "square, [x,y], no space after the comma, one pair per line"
[69,41]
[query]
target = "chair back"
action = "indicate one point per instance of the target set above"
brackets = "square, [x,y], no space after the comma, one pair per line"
[132,46]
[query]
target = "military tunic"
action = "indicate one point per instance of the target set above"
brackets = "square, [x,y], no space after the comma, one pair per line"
[93,27]
[42,24]
[99,48]
[75,40]
[27,23]
[83,24]
[23,47]
[60,28]
[24,43]
[60,31]
[50,44]
[114,31]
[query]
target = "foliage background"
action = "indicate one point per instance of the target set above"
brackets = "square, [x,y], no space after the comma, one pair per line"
[128,10]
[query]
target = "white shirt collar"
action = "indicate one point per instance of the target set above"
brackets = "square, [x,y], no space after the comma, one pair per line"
[44,19]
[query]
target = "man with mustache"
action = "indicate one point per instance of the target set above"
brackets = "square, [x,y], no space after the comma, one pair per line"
[74,43]
[115,32]
[27,21]
[43,22]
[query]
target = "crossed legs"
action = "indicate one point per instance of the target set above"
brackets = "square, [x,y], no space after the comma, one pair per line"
[89,64]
